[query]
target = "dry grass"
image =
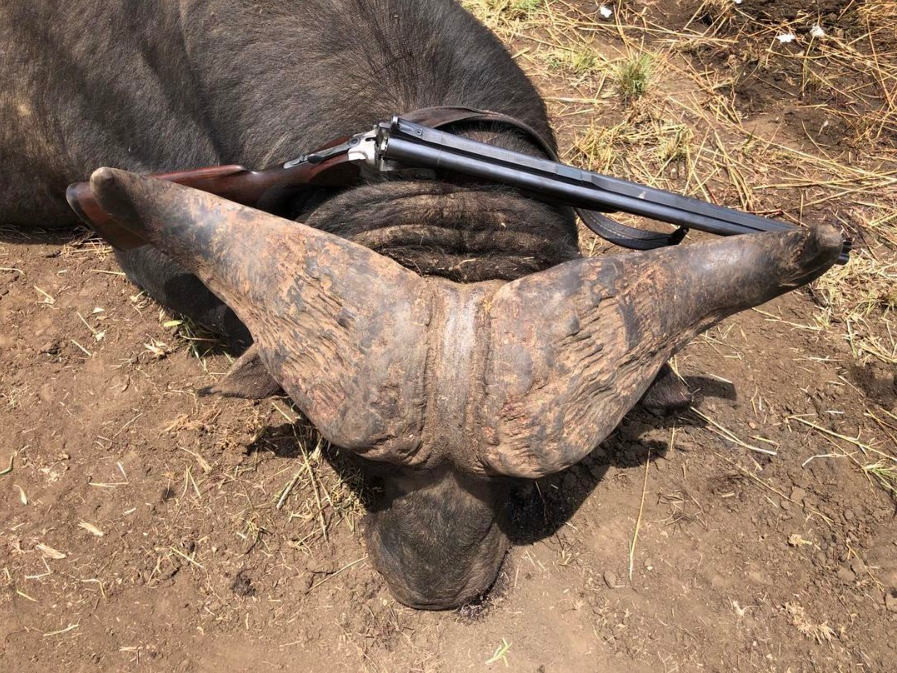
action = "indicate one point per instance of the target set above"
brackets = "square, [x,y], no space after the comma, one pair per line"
[719,14]
[645,147]
[820,632]
[200,342]
[316,493]
[880,16]
[860,298]
[662,106]
[885,473]
[505,17]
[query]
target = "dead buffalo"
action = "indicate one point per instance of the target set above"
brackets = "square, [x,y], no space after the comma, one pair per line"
[445,329]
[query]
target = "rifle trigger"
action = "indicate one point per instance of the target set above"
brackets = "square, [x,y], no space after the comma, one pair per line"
[321,155]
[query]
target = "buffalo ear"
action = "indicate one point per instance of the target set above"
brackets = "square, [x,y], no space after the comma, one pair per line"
[667,393]
[247,379]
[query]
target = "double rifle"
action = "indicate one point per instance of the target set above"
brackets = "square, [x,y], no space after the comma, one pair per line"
[401,148]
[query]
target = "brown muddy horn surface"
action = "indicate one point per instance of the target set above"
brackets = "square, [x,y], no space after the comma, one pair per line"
[573,348]
[520,379]
[341,328]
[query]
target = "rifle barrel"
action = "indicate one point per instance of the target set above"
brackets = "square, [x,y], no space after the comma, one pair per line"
[422,146]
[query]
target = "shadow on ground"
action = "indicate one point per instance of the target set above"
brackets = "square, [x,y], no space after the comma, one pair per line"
[537,509]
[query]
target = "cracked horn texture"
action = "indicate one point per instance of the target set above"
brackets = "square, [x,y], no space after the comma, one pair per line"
[341,328]
[521,379]
[572,349]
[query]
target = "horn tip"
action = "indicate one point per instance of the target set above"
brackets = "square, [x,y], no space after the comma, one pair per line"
[824,244]
[827,237]
[104,178]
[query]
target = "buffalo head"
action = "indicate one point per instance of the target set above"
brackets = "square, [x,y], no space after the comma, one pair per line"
[455,388]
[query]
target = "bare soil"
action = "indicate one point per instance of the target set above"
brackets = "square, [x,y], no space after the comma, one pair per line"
[145,528]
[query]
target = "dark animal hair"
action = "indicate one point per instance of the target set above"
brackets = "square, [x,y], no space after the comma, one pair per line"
[163,86]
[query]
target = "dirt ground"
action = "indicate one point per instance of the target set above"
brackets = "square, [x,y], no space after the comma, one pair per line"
[145,528]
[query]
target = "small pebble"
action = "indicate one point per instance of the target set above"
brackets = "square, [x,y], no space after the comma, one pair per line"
[632,431]
[50,348]
[846,575]
[798,495]
[610,579]
[891,600]
[848,515]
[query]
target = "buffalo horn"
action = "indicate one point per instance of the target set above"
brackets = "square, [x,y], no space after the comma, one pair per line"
[341,328]
[573,348]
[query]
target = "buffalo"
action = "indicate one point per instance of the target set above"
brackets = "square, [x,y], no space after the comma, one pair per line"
[446,331]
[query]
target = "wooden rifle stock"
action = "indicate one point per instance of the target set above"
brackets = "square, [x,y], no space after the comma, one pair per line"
[268,189]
